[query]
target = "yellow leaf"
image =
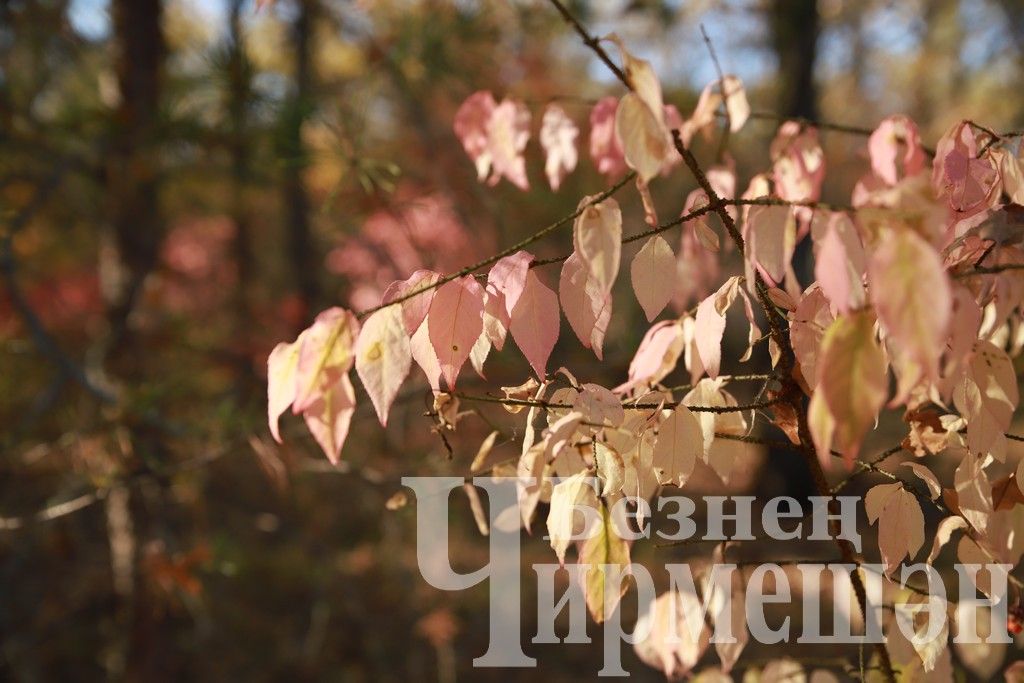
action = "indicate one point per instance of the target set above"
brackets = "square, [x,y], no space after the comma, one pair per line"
[603,548]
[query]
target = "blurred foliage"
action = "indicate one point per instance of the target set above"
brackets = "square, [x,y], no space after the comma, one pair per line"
[231,557]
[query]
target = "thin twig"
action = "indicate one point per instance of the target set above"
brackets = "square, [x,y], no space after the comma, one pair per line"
[723,143]
[522,244]
[591,42]
[548,405]
[989,270]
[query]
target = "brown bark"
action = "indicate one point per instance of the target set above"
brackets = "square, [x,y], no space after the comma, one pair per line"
[133,236]
[794,27]
[238,98]
[135,223]
[300,245]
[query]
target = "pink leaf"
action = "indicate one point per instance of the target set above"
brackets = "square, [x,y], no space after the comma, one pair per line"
[496,317]
[710,325]
[454,322]
[852,385]
[508,276]
[558,138]
[383,358]
[423,353]
[653,273]
[928,477]
[697,270]
[505,284]
[478,354]
[986,396]
[328,417]
[656,356]
[680,443]
[644,137]
[599,406]
[735,101]
[703,117]
[605,148]
[799,163]
[535,322]
[597,236]
[604,316]
[640,118]
[577,302]
[840,283]
[676,635]
[281,370]
[705,234]
[471,127]
[414,310]
[910,290]
[969,183]
[974,492]
[895,146]
[586,308]
[508,131]
[771,235]
[900,522]
[754,331]
[325,353]
[806,329]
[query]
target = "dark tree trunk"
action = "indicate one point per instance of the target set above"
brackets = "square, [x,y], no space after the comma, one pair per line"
[136,226]
[794,27]
[134,233]
[238,99]
[300,245]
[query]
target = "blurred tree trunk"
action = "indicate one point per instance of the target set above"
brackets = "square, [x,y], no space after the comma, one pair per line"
[136,225]
[239,97]
[794,27]
[938,72]
[1014,11]
[300,245]
[132,242]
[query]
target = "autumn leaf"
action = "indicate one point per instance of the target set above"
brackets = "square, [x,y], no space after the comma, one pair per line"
[569,496]
[383,358]
[534,323]
[454,323]
[911,293]
[656,356]
[508,131]
[597,238]
[677,635]
[414,309]
[605,148]
[771,238]
[652,274]
[851,388]
[586,307]
[325,353]
[558,138]
[680,443]
[602,549]
[710,325]
[329,415]
[282,366]
[900,522]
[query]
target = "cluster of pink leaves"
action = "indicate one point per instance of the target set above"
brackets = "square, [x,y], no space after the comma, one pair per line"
[632,132]
[898,290]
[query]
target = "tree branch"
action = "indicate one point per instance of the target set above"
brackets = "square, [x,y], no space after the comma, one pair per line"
[591,42]
[548,405]
[522,244]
